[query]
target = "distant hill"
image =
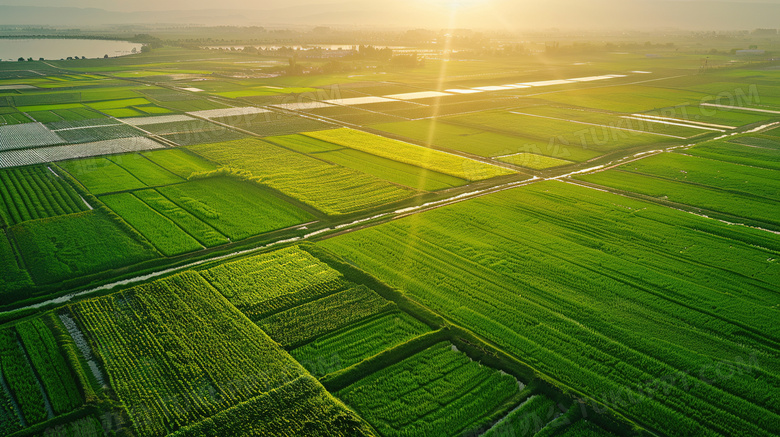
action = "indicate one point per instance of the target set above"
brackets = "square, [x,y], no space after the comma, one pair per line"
[496,14]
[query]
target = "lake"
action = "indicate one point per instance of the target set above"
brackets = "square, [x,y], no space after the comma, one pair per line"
[54,49]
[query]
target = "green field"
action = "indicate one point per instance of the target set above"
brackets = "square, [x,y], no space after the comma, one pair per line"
[436,392]
[235,208]
[714,278]
[400,173]
[59,248]
[426,158]
[329,188]
[416,230]
[152,321]
[355,343]
[163,233]
[30,193]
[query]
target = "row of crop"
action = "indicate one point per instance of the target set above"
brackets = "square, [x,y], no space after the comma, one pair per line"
[20,379]
[527,419]
[51,366]
[430,159]
[345,347]
[301,407]
[313,319]
[633,293]
[437,392]
[329,188]
[34,192]
[164,346]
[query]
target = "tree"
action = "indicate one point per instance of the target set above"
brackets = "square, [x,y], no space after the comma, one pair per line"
[21,59]
[105,56]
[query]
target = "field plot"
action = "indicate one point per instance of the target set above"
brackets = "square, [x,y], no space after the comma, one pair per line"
[23,136]
[626,98]
[235,208]
[21,380]
[101,175]
[721,187]
[481,142]
[272,282]
[329,188]
[55,375]
[438,392]
[527,419]
[153,327]
[60,248]
[355,115]
[100,132]
[648,123]
[533,161]
[272,124]
[423,157]
[300,407]
[16,158]
[542,292]
[762,157]
[357,342]
[163,233]
[392,171]
[30,193]
[180,162]
[597,137]
[14,277]
[301,324]
[10,116]
[198,229]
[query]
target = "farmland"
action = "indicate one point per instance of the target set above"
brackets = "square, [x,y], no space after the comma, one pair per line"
[526,321]
[513,238]
[326,187]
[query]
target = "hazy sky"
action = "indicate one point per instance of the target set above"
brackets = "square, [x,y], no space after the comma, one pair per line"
[146,5]
[481,14]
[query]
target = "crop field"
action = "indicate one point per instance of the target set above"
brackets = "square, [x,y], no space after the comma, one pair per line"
[522,312]
[392,171]
[732,189]
[59,248]
[564,234]
[738,154]
[163,233]
[150,322]
[30,193]
[15,278]
[180,162]
[483,143]
[329,188]
[533,161]
[300,407]
[303,323]
[429,159]
[198,229]
[267,284]
[526,420]
[437,392]
[357,342]
[237,209]
[272,124]
[37,380]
